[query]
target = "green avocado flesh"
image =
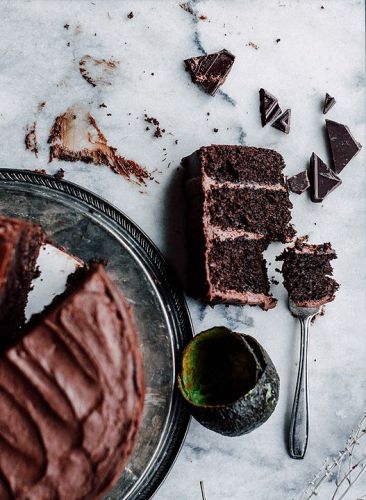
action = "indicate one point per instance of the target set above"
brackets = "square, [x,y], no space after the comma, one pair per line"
[218,368]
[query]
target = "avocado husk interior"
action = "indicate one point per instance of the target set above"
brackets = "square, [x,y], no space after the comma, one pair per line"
[218,367]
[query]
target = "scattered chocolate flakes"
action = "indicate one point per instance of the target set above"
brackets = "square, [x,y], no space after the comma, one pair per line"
[322,179]
[329,102]
[342,144]
[30,139]
[97,71]
[130,15]
[60,174]
[210,71]
[269,107]
[75,136]
[283,122]
[253,45]
[299,183]
[154,121]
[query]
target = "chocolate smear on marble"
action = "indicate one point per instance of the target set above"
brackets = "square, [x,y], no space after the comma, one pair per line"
[75,136]
[30,139]
[283,122]
[322,179]
[299,183]
[329,102]
[210,71]
[268,107]
[97,71]
[342,144]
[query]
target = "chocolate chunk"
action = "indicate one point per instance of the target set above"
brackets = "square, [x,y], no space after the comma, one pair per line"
[322,179]
[342,144]
[268,107]
[283,122]
[299,183]
[210,71]
[30,139]
[329,102]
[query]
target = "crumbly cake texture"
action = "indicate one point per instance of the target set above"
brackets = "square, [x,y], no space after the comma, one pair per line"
[71,395]
[238,203]
[20,242]
[307,272]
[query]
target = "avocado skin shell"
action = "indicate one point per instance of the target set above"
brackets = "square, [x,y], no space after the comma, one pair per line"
[250,411]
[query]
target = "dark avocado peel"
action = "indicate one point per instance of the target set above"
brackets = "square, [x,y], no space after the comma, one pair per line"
[229,381]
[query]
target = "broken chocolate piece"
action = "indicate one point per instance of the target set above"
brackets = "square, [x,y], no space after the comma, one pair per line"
[342,144]
[299,183]
[210,71]
[75,136]
[322,179]
[97,71]
[30,139]
[329,102]
[283,122]
[269,107]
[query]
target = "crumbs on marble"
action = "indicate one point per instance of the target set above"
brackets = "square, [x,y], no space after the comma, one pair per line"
[154,121]
[253,45]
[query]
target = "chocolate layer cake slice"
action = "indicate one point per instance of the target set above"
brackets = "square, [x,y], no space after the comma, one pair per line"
[20,242]
[71,395]
[237,203]
[307,272]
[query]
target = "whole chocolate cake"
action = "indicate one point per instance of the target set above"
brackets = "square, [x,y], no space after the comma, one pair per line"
[307,272]
[20,242]
[71,395]
[238,202]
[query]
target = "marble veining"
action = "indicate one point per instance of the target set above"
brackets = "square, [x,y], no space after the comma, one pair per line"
[304,50]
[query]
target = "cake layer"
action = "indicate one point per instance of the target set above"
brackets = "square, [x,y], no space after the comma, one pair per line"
[20,242]
[71,395]
[237,204]
[262,211]
[237,273]
[238,164]
[307,272]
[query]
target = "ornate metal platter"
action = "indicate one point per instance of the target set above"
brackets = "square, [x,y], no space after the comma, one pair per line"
[88,227]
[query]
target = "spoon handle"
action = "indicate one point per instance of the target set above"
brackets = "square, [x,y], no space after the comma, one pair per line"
[299,426]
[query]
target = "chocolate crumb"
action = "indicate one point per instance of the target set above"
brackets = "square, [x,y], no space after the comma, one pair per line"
[66,26]
[215,130]
[102,105]
[109,114]
[59,174]
[253,45]
[130,15]
[30,139]
[203,18]
[40,171]
[187,7]
[97,71]
[278,40]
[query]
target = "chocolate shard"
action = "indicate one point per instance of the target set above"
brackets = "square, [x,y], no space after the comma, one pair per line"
[268,107]
[210,71]
[342,144]
[329,102]
[283,122]
[322,179]
[299,183]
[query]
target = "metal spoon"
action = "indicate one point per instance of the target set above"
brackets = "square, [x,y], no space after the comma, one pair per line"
[299,426]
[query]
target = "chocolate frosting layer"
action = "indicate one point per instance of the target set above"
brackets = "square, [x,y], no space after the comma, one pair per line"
[71,396]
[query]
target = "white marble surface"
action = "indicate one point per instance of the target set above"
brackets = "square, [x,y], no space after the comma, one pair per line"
[320,50]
